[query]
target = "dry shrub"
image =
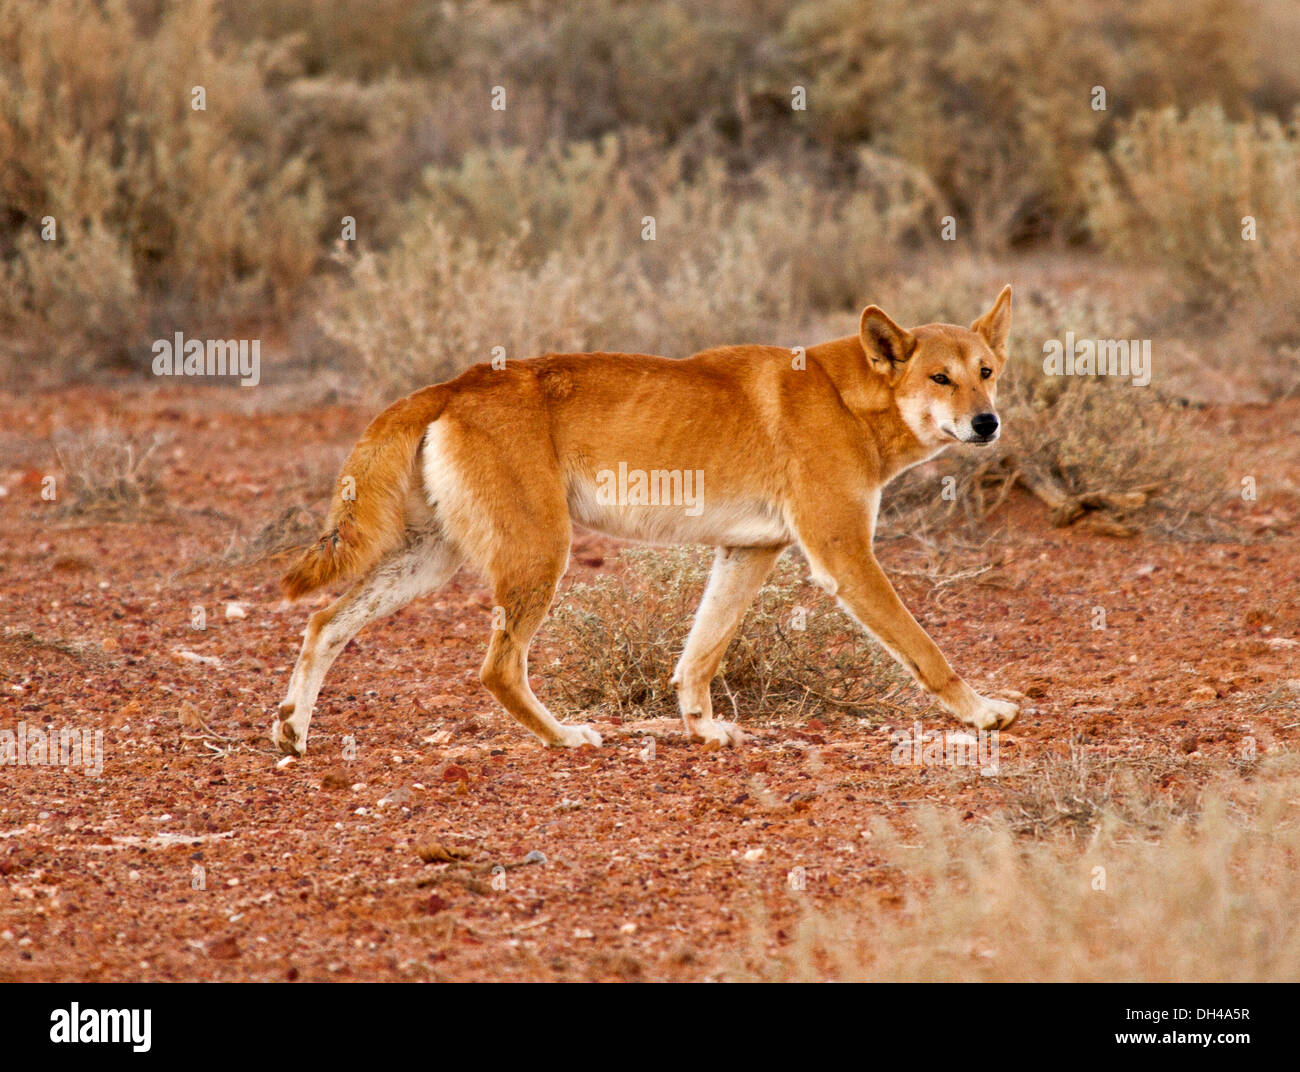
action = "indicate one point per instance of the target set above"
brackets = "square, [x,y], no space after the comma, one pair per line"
[1074,794]
[992,100]
[567,192]
[97,130]
[74,298]
[365,40]
[548,252]
[317,110]
[367,144]
[434,305]
[667,67]
[838,240]
[618,638]
[290,529]
[108,473]
[1203,895]
[1175,190]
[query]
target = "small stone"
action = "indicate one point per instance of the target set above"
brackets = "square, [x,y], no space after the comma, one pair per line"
[224,949]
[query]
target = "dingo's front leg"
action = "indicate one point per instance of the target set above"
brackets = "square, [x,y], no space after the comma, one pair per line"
[843,563]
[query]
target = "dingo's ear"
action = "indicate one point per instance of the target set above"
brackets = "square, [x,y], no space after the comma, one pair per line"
[887,345]
[995,325]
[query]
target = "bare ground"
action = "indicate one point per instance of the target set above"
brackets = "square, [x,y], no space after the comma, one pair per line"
[651,867]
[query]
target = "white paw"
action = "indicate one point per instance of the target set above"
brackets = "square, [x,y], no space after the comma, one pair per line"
[715,734]
[286,736]
[576,737]
[990,714]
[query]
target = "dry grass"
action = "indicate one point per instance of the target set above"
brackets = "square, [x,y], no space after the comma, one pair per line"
[1075,794]
[108,473]
[560,259]
[1176,190]
[320,111]
[1156,892]
[617,639]
[98,131]
[522,229]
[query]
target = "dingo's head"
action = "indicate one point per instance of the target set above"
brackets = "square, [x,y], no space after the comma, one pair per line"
[944,377]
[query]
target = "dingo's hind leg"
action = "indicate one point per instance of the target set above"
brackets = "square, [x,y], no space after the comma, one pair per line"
[522,596]
[738,573]
[515,530]
[396,580]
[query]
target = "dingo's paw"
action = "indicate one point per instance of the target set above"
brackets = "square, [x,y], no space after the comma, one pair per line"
[285,735]
[576,737]
[990,714]
[716,734]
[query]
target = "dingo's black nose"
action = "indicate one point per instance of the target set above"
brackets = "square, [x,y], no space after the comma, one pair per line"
[984,424]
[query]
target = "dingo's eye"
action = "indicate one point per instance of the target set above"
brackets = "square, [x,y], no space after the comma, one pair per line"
[985,373]
[940,378]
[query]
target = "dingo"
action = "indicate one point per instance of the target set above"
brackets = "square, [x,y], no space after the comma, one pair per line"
[490,468]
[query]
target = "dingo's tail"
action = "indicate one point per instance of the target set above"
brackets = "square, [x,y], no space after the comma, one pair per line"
[367,516]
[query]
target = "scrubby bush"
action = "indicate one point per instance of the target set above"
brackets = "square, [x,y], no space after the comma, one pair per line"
[995,101]
[617,639]
[98,131]
[108,472]
[1178,189]
[1215,203]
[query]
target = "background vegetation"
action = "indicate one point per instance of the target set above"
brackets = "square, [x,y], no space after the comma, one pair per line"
[525,227]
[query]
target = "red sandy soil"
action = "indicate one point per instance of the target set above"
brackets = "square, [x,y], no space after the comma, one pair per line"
[651,866]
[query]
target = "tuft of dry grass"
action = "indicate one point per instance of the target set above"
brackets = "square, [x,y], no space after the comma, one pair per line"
[618,638]
[1074,794]
[1156,893]
[108,473]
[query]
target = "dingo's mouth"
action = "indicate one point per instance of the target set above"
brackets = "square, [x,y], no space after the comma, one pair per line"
[977,440]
